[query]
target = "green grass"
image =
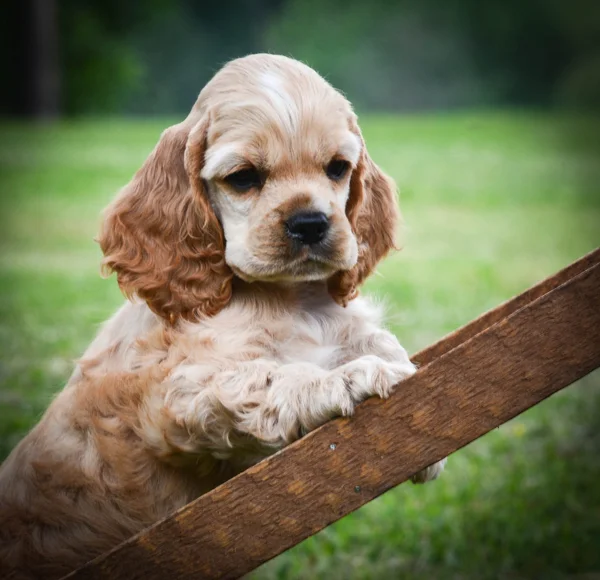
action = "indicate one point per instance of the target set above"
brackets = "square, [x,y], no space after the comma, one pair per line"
[492,204]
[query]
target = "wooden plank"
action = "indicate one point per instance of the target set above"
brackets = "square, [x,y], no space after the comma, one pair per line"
[493,375]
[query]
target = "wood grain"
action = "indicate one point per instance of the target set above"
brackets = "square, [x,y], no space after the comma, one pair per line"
[479,378]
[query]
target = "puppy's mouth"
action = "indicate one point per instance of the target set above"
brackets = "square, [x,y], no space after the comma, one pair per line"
[314,265]
[308,264]
[298,271]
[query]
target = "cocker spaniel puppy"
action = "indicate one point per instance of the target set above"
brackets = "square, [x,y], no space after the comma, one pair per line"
[241,243]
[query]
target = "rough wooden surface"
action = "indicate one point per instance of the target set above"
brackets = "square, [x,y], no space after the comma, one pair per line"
[550,338]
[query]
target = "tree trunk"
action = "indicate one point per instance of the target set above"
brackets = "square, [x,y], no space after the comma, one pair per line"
[45,68]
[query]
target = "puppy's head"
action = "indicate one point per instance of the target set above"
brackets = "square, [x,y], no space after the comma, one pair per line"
[267,179]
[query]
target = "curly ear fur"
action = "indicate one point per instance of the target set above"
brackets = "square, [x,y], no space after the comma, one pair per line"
[372,210]
[161,235]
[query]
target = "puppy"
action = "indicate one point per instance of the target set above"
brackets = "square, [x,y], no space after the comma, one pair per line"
[241,244]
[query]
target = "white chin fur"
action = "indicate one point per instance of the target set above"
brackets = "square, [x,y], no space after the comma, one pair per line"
[285,277]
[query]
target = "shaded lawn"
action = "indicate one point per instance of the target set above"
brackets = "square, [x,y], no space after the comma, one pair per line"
[492,203]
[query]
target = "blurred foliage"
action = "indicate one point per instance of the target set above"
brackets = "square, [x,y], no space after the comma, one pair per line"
[154,56]
[182,50]
[98,61]
[384,55]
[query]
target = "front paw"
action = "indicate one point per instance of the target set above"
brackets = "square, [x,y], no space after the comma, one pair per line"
[429,473]
[370,375]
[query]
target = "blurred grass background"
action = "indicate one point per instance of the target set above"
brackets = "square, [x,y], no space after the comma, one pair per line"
[486,114]
[493,202]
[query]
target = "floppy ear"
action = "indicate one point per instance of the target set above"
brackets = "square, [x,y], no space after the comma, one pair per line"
[161,236]
[372,210]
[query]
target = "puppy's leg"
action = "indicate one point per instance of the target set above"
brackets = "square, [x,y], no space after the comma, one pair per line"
[253,408]
[429,473]
[385,345]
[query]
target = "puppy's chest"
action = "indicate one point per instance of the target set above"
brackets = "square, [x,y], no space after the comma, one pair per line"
[312,341]
[319,337]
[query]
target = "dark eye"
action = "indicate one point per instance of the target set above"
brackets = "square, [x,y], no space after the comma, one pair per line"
[244,179]
[336,169]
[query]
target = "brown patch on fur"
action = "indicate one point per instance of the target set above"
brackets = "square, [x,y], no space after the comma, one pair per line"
[293,205]
[161,235]
[269,240]
[66,505]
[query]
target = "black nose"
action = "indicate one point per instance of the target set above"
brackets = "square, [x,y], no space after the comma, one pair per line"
[307,227]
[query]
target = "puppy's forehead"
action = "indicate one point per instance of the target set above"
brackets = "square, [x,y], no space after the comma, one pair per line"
[277,109]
